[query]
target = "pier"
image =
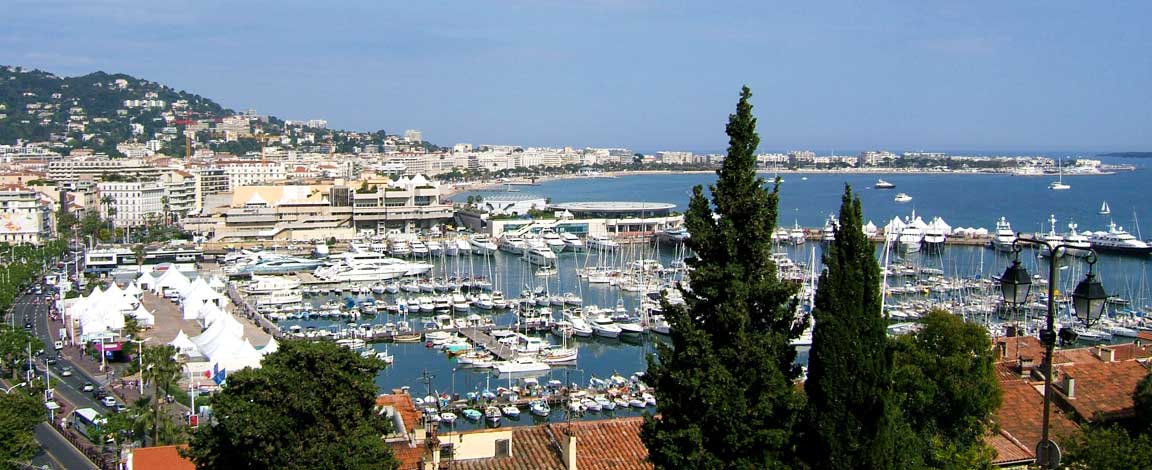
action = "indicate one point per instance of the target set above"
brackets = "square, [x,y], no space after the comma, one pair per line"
[482,339]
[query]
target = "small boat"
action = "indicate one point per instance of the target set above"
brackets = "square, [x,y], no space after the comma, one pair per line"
[590,404]
[448,418]
[539,408]
[493,414]
[1059,184]
[472,415]
[510,411]
[1104,209]
[902,197]
[881,184]
[605,402]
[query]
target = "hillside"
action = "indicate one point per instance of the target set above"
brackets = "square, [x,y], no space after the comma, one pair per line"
[1128,154]
[95,110]
[100,110]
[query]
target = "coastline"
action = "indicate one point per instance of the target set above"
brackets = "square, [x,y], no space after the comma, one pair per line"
[484,185]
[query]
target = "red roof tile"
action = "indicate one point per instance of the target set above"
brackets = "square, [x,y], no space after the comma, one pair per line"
[402,402]
[612,444]
[1009,450]
[1103,390]
[160,458]
[1021,413]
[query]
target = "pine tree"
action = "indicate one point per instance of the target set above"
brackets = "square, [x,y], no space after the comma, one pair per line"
[725,385]
[850,414]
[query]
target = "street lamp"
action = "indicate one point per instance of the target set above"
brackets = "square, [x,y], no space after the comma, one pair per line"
[140,354]
[9,390]
[1089,299]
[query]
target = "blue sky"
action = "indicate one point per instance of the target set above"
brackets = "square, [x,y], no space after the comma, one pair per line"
[646,74]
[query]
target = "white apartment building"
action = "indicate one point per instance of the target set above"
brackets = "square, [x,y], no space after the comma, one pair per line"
[675,158]
[248,173]
[73,169]
[413,135]
[24,218]
[134,202]
[180,191]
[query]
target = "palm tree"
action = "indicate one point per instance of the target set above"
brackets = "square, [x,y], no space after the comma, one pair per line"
[162,370]
[107,201]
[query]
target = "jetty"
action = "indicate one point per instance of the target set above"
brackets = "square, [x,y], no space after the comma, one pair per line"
[482,339]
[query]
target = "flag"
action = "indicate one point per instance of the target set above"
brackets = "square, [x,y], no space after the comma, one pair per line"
[219,375]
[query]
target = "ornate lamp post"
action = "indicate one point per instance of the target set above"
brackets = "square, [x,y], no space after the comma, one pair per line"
[1089,300]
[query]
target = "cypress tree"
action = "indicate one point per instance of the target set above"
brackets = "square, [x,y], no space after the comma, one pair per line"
[725,389]
[850,414]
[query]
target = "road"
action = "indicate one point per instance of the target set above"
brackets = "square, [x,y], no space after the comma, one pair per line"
[56,452]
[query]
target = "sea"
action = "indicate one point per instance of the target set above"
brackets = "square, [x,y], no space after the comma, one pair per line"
[806,199]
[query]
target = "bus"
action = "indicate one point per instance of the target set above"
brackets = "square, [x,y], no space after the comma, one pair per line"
[88,422]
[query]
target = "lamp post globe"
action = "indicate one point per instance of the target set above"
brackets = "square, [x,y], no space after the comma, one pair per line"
[1015,284]
[1089,300]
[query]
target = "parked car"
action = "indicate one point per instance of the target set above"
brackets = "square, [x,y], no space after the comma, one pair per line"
[87,387]
[50,360]
[99,393]
[58,345]
[65,371]
[108,401]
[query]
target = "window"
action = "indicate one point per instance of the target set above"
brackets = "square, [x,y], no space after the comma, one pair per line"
[503,447]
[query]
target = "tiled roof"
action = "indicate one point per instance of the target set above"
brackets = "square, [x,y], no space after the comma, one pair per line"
[160,458]
[408,455]
[1103,390]
[1019,346]
[1021,413]
[612,444]
[1009,450]
[402,402]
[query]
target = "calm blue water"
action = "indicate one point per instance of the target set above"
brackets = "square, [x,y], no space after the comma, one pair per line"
[962,200]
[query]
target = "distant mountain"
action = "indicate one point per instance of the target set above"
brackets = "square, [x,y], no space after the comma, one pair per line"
[1128,154]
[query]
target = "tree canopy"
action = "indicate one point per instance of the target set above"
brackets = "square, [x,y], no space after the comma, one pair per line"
[725,385]
[311,405]
[848,425]
[945,383]
[20,412]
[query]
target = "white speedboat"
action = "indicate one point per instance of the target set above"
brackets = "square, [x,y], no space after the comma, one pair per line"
[881,184]
[419,249]
[435,248]
[796,235]
[828,233]
[510,411]
[572,242]
[603,325]
[539,408]
[902,197]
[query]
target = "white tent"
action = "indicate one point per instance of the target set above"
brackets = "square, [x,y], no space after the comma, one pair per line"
[184,345]
[133,290]
[200,289]
[271,347]
[239,356]
[870,229]
[216,284]
[143,316]
[192,308]
[146,281]
[171,280]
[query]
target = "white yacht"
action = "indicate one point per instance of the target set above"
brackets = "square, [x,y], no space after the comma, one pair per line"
[435,248]
[902,197]
[602,243]
[580,326]
[553,240]
[512,244]
[881,184]
[370,270]
[540,256]
[481,244]
[1059,184]
[399,248]
[572,242]
[935,235]
[796,235]
[281,297]
[463,246]
[910,238]
[1004,237]
[1078,244]
[1117,240]
[522,365]
[603,325]
[1051,237]
[419,249]
[267,285]
[828,233]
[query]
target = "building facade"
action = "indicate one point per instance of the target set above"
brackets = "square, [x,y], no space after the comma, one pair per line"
[134,203]
[24,216]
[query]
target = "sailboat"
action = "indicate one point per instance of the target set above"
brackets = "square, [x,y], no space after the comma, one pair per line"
[1104,209]
[1059,184]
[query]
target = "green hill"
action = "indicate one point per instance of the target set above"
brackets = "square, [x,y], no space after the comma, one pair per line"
[89,110]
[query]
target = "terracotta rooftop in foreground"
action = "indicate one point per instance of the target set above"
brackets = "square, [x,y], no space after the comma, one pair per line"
[159,458]
[611,444]
[402,402]
[1102,390]
[1022,413]
[1009,450]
